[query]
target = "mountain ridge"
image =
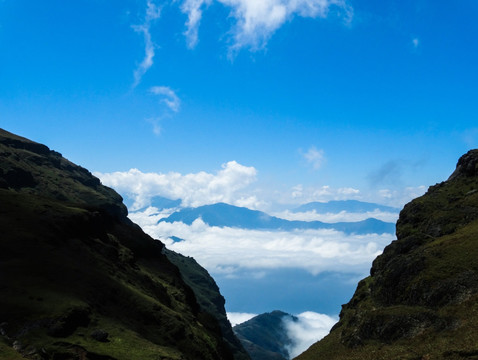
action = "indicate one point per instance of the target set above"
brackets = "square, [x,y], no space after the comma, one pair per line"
[226,215]
[79,280]
[335,206]
[421,298]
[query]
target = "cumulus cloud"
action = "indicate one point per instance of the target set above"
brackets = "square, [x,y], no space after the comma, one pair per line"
[193,189]
[168,97]
[153,12]
[236,318]
[227,251]
[314,157]
[309,328]
[256,21]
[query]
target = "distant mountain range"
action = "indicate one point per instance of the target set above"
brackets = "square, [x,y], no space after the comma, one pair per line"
[225,215]
[338,206]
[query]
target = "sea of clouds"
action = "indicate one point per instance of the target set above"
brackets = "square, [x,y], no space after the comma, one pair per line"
[237,255]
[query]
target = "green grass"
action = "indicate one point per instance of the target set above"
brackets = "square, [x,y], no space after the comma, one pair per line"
[438,300]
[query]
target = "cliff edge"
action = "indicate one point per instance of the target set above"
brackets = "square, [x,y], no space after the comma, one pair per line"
[420,301]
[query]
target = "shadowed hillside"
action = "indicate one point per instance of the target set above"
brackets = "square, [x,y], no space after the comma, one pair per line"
[421,300]
[265,336]
[79,280]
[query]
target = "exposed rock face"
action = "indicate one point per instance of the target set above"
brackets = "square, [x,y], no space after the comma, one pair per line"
[72,264]
[421,300]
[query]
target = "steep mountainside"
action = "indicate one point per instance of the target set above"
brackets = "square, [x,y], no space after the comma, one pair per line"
[421,300]
[208,296]
[78,279]
[265,337]
[233,216]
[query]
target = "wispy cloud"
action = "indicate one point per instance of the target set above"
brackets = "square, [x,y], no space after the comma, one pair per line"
[193,189]
[314,157]
[153,12]
[256,21]
[168,97]
[416,42]
[388,173]
[155,123]
[193,10]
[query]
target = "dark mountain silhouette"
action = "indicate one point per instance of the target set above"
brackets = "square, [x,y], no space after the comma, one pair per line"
[79,280]
[222,214]
[421,298]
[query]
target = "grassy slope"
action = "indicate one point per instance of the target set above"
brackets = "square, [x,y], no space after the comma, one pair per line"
[71,263]
[421,300]
[209,298]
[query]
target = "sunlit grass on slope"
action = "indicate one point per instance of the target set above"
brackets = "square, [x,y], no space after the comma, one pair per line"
[421,300]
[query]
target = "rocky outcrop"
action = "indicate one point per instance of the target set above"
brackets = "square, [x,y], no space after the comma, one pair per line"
[79,280]
[421,299]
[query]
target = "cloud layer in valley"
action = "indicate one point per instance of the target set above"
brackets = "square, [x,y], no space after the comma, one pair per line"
[228,251]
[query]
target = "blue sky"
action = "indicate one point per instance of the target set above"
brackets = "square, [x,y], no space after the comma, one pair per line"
[379,94]
[266,104]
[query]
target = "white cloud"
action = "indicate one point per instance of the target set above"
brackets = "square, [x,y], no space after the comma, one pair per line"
[236,318]
[342,216]
[299,194]
[156,127]
[416,42]
[400,197]
[150,216]
[153,12]
[168,97]
[227,251]
[193,9]
[193,189]
[256,21]
[308,329]
[314,157]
